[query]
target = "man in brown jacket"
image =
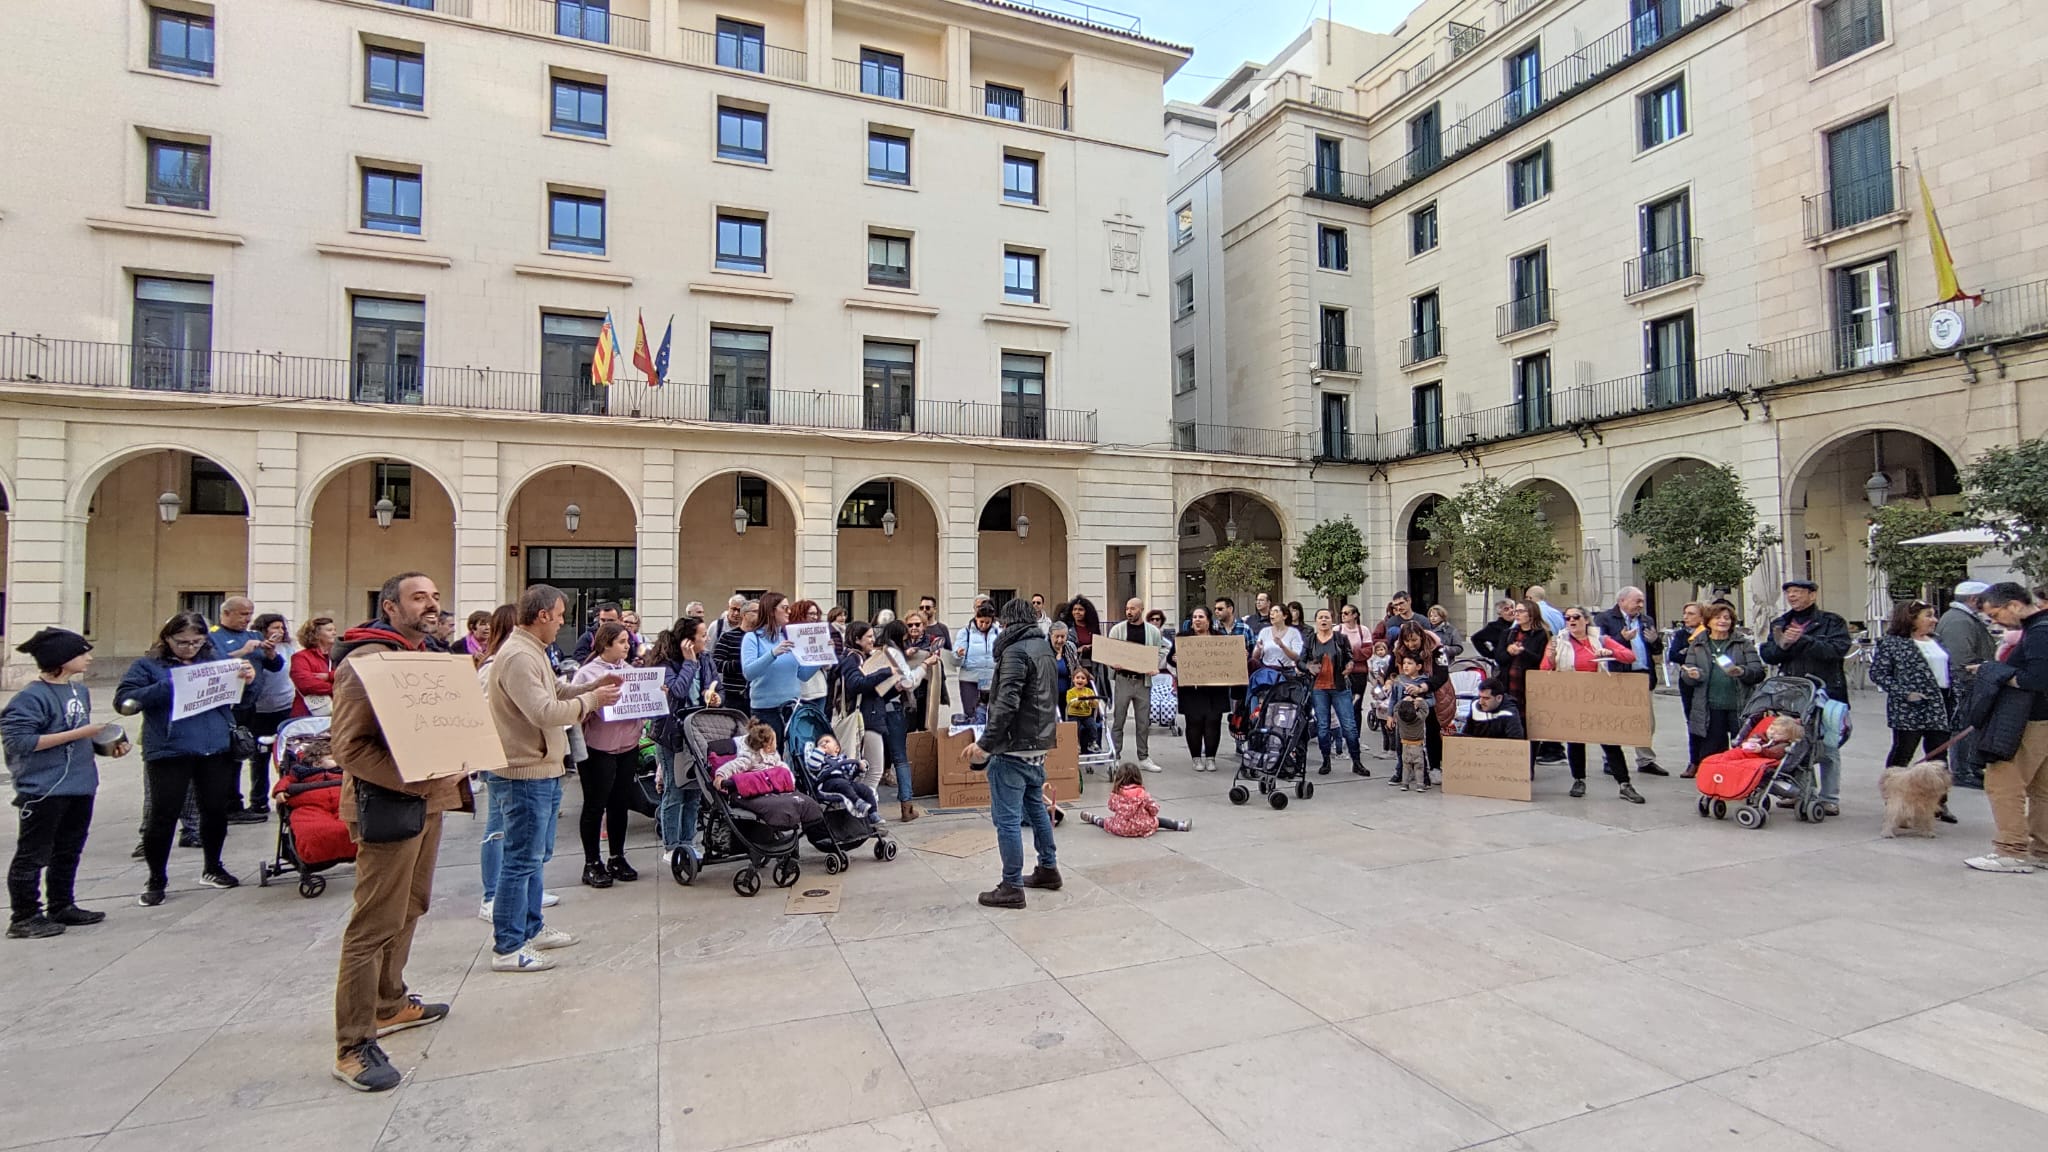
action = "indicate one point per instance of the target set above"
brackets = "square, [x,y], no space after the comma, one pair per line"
[393,880]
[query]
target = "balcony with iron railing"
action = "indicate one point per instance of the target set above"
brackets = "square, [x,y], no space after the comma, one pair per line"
[1661,268]
[1876,199]
[888,83]
[576,21]
[743,54]
[401,386]
[1004,104]
[1422,347]
[1525,312]
[1236,440]
[1333,357]
[2011,313]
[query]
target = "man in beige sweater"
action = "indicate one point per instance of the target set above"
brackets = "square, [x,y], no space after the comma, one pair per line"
[531,710]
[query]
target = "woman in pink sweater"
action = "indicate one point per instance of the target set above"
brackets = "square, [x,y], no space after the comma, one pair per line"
[607,775]
[1132,812]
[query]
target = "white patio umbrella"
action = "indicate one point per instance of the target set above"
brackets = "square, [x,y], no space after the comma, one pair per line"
[1956,536]
[1589,584]
[1878,608]
[1763,589]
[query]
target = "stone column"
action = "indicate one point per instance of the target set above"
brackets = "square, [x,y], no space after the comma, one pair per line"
[959,70]
[960,576]
[663,40]
[818,43]
[280,542]
[479,529]
[817,537]
[656,540]
[46,544]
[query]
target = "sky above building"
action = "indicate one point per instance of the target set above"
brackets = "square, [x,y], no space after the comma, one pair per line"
[1226,33]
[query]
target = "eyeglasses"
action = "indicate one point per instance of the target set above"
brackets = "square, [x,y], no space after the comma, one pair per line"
[1573,616]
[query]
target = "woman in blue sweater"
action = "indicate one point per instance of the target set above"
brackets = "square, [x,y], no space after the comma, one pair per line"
[179,754]
[768,658]
[47,730]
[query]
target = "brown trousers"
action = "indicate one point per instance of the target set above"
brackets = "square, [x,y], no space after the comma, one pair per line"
[2018,791]
[393,884]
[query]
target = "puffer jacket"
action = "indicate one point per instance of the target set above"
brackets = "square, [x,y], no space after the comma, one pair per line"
[1997,710]
[1024,706]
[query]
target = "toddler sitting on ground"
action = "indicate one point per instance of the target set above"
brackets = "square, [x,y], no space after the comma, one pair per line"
[840,775]
[1131,811]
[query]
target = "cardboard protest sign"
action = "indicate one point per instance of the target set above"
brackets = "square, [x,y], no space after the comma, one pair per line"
[1498,769]
[1589,708]
[197,688]
[1124,656]
[640,696]
[879,662]
[813,644]
[962,786]
[1206,661]
[432,711]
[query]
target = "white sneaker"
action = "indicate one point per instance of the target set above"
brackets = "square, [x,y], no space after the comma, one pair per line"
[524,960]
[1149,766]
[483,912]
[549,899]
[1996,863]
[550,938]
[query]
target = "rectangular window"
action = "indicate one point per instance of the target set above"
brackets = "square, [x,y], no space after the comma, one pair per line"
[1020,277]
[575,223]
[1329,166]
[173,338]
[393,482]
[567,344]
[1334,354]
[1529,290]
[1865,324]
[1183,224]
[214,491]
[888,386]
[1667,241]
[751,495]
[1425,140]
[1336,426]
[888,157]
[1525,82]
[888,260]
[1660,114]
[1426,408]
[1184,373]
[1003,102]
[742,244]
[1529,178]
[1023,396]
[1020,179]
[742,134]
[1668,361]
[739,376]
[1848,27]
[584,20]
[1422,229]
[579,108]
[391,201]
[1333,248]
[881,600]
[1425,331]
[1183,296]
[881,73]
[1860,171]
[1532,392]
[180,42]
[864,508]
[393,78]
[388,339]
[741,45]
[180,175]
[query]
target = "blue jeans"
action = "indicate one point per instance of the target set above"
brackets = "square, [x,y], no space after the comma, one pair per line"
[491,853]
[778,719]
[1016,793]
[1828,772]
[1332,709]
[530,808]
[896,746]
[677,812]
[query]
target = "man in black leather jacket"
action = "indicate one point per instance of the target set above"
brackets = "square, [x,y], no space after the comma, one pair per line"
[1023,725]
[1808,641]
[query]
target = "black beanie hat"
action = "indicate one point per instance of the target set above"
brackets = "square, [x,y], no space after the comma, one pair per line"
[53,648]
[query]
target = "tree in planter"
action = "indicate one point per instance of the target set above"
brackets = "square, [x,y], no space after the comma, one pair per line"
[1331,559]
[1912,569]
[1239,568]
[2006,490]
[1492,535]
[1699,529]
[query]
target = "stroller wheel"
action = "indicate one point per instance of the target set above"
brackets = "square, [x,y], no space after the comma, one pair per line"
[786,871]
[1719,808]
[263,874]
[885,849]
[1278,800]
[1239,794]
[832,864]
[746,881]
[1749,816]
[1702,806]
[312,886]
[682,866]
[1304,789]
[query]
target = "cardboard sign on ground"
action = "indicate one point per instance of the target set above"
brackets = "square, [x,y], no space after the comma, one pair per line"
[1206,661]
[432,712]
[812,897]
[962,844]
[1123,656]
[924,763]
[197,688]
[1498,769]
[1589,708]
[961,786]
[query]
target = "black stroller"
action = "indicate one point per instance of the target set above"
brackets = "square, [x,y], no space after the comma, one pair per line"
[1276,726]
[311,837]
[843,829]
[730,831]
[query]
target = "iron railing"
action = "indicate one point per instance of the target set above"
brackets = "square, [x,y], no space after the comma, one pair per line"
[1525,312]
[1427,344]
[574,21]
[889,83]
[1462,38]
[1844,206]
[1333,357]
[1085,13]
[1506,10]
[274,375]
[1661,266]
[2005,314]
[1028,109]
[447,7]
[1330,183]
[1658,25]
[743,55]
[1236,440]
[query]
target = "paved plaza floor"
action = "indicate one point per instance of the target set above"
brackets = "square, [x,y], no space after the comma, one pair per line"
[1370,969]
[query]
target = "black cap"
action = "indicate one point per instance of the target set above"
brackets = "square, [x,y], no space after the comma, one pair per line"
[1809,585]
[53,648]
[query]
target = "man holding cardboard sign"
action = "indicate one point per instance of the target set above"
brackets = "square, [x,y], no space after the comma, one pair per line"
[1133,676]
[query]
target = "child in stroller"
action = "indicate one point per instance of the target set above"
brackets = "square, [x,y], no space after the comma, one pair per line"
[838,774]
[757,780]
[833,778]
[1783,725]
[311,837]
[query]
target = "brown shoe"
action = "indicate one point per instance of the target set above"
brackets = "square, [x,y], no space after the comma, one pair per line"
[910,812]
[1002,896]
[414,1014]
[1043,877]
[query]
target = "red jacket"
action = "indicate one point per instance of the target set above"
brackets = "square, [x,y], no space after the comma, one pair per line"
[312,676]
[1584,657]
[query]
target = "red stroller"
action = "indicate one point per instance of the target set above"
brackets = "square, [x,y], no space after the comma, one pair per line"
[311,837]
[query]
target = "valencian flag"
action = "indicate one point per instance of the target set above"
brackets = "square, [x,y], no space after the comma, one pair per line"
[642,358]
[1946,287]
[660,374]
[604,359]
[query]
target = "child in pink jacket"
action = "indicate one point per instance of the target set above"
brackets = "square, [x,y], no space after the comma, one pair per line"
[1131,811]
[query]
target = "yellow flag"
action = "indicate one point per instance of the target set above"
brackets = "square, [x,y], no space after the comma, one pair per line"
[1946,287]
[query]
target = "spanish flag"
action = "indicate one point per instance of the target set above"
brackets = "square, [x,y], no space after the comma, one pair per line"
[604,358]
[642,358]
[1946,287]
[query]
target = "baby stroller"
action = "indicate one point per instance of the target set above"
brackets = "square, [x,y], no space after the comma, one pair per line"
[310,835]
[1748,780]
[1466,677]
[645,798]
[730,831]
[1164,703]
[843,828]
[1276,740]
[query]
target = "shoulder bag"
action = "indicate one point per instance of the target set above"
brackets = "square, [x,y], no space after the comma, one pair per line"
[386,816]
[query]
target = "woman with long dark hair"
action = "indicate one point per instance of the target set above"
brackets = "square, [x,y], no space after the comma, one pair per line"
[1355,633]
[768,657]
[1203,705]
[614,759]
[1913,669]
[690,684]
[910,670]
[189,752]
[1440,701]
